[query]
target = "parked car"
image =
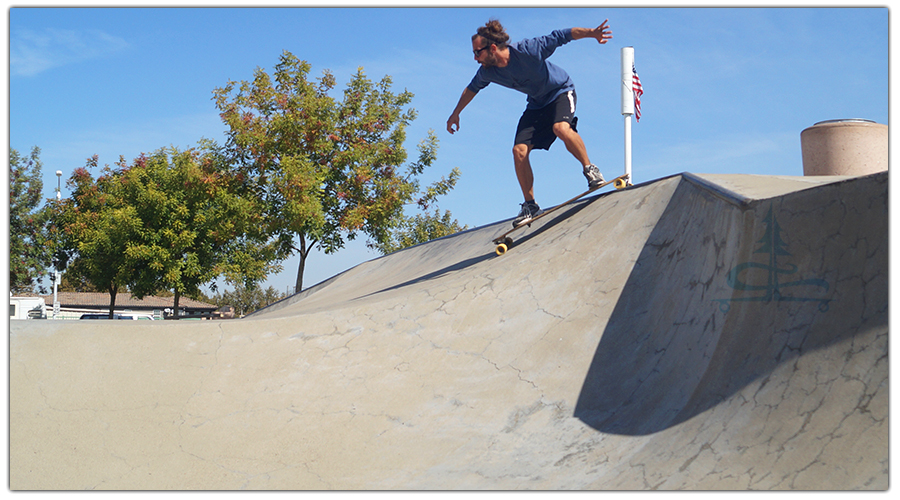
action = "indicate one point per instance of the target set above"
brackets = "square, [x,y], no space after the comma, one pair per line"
[115,316]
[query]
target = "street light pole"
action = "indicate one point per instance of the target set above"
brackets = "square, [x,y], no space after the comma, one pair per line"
[56,260]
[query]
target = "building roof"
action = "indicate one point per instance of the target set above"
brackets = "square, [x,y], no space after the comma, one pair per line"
[125,300]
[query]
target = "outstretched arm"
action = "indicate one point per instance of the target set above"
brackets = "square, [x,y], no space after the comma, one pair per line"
[601,33]
[464,101]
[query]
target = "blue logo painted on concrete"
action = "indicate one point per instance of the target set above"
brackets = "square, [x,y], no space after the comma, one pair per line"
[773,290]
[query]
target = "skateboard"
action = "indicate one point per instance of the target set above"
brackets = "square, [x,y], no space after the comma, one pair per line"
[504,242]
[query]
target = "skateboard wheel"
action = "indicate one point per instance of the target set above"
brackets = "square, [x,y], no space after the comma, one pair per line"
[620,183]
[502,248]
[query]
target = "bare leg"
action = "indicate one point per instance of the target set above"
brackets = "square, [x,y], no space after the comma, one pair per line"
[573,142]
[523,170]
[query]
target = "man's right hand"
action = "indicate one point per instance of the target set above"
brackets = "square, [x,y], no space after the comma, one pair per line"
[464,101]
[451,122]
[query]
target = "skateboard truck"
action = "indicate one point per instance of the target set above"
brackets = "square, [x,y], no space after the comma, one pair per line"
[504,246]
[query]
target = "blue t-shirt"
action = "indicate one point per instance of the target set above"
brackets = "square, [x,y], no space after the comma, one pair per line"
[529,71]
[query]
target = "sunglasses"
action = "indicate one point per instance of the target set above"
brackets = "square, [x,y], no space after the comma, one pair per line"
[478,51]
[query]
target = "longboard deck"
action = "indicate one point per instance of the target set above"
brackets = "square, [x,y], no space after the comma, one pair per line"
[504,241]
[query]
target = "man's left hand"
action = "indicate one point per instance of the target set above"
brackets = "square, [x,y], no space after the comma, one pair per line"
[602,33]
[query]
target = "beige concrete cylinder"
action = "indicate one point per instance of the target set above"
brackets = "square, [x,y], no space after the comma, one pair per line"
[845,147]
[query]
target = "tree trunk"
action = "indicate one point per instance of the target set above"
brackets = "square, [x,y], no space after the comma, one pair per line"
[177,299]
[304,252]
[113,290]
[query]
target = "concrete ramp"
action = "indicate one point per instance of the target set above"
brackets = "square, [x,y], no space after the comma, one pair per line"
[695,332]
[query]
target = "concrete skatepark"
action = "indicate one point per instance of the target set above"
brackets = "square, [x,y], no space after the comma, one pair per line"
[697,332]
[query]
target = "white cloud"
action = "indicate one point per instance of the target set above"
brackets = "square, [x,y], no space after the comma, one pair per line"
[32,52]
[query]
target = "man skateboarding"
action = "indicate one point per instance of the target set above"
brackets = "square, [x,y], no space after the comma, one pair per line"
[550,110]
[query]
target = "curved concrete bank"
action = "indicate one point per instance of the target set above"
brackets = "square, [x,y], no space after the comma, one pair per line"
[696,332]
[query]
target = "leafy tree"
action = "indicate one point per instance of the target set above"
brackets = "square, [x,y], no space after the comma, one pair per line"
[173,220]
[29,245]
[97,224]
[69,282]
[325,170]
[196,224]
[246,299]
[419,229]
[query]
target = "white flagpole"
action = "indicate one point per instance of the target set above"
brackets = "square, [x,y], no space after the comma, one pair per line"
[628,104]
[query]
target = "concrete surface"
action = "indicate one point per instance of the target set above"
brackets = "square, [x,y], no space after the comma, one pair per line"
[695,332]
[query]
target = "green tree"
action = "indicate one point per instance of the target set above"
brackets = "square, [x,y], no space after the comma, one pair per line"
[326,170]
[195,224]
[173,220]
[421,228]
[30,247]
[69,282]
[246,299]
[96,225]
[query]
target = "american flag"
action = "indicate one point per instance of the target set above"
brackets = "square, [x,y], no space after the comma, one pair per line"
[638,92]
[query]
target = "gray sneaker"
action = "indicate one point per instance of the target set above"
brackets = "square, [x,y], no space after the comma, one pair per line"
[529,211]
[593,175]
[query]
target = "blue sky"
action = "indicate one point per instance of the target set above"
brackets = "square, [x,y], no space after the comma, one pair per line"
[726,90]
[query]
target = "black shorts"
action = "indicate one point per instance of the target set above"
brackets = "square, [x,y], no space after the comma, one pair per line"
[536,125]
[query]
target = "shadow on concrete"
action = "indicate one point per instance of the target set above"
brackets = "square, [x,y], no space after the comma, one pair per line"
[527,234]
[542,225]
[458,266]
[660,363]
